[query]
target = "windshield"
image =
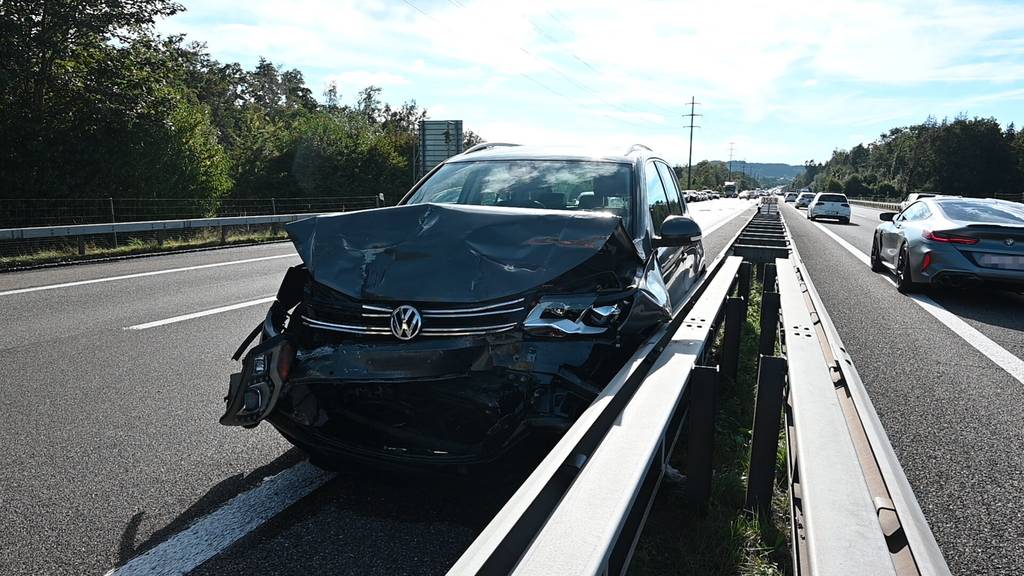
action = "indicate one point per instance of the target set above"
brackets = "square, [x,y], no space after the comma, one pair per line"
[832,198]
[537,184]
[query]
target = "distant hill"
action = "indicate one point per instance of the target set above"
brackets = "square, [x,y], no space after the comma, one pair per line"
[768,171]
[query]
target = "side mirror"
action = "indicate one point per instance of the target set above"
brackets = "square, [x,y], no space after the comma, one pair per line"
[678,231]
[886,216]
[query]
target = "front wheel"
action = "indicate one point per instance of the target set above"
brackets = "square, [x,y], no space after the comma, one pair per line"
[904,281]
[876,257]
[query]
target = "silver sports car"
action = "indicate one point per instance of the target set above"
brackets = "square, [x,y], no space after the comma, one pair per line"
[952,241]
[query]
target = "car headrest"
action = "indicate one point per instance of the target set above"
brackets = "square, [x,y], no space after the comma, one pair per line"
[552,200]
[589,201]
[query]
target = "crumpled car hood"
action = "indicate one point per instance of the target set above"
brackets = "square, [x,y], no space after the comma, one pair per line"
[450,253]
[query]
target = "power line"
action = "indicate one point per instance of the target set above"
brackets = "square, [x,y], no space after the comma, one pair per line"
[689,160]
[553,15]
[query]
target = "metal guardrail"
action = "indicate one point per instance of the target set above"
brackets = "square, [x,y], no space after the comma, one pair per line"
[582,509]
[894,206]
[908,540]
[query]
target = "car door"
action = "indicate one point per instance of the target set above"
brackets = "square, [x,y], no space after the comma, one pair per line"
[690,256]
[892,236]
[659,208]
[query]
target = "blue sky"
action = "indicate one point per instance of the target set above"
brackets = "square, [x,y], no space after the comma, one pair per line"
[784,81]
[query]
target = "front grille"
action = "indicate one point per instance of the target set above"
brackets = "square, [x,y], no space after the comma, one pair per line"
[329,311]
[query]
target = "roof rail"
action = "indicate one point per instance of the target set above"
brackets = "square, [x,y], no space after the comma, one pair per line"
[636,147]
[486,145]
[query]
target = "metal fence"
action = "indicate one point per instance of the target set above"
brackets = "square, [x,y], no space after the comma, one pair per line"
[25,212]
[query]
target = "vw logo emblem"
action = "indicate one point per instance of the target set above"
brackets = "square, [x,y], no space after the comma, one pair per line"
[1009,242]
[405,322]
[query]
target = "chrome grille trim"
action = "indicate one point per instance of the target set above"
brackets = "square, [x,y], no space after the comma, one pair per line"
[372,320]
[471,314]
[477,309]
[474,329]
[348,328]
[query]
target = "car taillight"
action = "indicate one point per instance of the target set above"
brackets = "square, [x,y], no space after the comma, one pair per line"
[949,238]
[927,261]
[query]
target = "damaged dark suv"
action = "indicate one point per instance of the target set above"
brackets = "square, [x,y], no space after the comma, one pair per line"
[494,302]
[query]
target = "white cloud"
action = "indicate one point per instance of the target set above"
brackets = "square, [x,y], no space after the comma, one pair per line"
[359,79]
[629,67]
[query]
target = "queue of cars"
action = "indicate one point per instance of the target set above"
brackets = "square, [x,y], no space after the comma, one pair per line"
[701,195]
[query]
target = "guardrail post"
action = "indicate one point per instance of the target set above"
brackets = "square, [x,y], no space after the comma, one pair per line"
[159,237]
[735,313]
[770,303]
[700,434]
[771,377]
[744,283]
[81,245]
[223,234]
[768,283]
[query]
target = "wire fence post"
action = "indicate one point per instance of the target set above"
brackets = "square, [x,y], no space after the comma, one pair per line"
[113,219]
[273,205]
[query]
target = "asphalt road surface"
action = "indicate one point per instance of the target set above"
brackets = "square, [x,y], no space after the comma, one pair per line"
[112,383]
[944,372]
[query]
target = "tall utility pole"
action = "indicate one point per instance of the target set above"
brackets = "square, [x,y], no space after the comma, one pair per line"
[732,148]
[689,161]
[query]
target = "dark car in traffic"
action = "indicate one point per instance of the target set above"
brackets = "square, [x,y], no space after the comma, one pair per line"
[491,304]
[952,241]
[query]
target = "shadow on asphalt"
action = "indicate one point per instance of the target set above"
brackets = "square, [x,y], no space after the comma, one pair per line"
[220,493]
[1000,308]
[370,522]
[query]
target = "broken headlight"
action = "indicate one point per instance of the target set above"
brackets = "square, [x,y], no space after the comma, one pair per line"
[573,314]
[253,392]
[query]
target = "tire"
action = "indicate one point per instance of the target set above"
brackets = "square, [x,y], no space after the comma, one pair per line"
[876,258]
[904,282]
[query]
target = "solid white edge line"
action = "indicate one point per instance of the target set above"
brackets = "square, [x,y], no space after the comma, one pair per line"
[142,274]
[1002,357]
[218,530]
[200,314]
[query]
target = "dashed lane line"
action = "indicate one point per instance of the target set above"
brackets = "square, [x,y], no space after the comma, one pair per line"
[141,275]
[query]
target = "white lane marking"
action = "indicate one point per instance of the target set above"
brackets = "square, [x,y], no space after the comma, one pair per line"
[223,527]
[184,317]
[143,274]
[1002,357]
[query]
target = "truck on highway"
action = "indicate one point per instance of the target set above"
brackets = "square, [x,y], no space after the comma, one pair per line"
[729,190]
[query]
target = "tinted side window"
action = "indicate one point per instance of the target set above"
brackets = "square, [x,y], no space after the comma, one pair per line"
[916,211]
[657,198]
[677,204]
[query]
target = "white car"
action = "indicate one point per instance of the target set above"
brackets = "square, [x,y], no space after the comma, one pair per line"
[744,195]
[829,205]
